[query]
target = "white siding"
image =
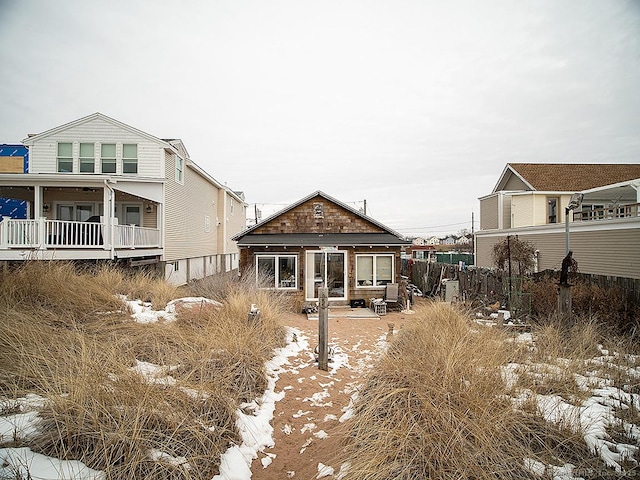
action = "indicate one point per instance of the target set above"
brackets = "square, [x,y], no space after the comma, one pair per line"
[42,156]
[599,251]
[187,207]
[488,213]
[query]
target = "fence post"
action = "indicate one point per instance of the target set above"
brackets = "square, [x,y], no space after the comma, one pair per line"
[323,328]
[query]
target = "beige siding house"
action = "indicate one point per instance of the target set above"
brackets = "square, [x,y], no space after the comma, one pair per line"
[530,201]
[100,189]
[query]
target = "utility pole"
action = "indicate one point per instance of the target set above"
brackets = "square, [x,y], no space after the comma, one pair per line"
[365,206]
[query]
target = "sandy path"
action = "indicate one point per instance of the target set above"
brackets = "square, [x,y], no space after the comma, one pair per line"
[306,423]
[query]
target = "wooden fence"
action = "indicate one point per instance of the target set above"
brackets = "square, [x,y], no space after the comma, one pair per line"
[491,284]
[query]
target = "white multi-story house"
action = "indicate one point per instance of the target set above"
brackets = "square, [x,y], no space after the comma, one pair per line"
[98,189]
[532,200]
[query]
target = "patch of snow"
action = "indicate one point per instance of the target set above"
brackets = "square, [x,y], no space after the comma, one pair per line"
[23,463]
[160,456]
[324,470]
[19,426]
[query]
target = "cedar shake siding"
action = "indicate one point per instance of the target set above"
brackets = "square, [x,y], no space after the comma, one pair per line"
[319,224]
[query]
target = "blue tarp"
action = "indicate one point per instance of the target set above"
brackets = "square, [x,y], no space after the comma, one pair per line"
[13,208]
[11,150]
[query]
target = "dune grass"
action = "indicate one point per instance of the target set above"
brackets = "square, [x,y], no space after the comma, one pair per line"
[438,403]
[68,337]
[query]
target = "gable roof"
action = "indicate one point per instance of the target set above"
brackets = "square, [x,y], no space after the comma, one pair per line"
[328,198]
[567,177]
[97,116]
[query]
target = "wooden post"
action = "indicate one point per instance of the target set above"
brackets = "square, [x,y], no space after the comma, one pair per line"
[323,328]
[564,302]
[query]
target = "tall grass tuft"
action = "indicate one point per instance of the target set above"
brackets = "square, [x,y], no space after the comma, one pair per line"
[80,349]
[437,406]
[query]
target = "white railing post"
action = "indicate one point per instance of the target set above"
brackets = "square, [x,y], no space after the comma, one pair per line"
[41,236]
[4,232]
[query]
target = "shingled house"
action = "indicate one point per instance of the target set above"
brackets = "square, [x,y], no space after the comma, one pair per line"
[321,241]
[530,200]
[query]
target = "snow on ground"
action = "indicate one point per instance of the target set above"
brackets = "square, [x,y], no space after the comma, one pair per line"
[594,417]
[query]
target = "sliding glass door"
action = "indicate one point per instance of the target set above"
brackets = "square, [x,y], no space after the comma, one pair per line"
[326,268]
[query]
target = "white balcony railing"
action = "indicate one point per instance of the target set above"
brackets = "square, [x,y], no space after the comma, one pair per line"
[131,236]
[609,213]
[54,234]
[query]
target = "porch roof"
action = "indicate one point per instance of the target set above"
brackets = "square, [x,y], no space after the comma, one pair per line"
[321,240]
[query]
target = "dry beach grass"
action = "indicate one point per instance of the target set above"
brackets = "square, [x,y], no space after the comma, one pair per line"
[437,404]
[67,337]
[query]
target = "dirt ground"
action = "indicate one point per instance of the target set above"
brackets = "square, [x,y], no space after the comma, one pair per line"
[308,432]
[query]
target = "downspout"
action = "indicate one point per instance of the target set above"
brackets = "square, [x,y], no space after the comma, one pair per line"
[108,224]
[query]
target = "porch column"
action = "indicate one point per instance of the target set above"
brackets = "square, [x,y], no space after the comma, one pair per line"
[107,201]
[37,201]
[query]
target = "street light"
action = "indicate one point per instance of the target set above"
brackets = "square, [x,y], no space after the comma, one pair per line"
[574,202]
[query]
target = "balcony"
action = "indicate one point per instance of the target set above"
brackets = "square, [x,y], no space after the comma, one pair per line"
[77,239]
[608,213]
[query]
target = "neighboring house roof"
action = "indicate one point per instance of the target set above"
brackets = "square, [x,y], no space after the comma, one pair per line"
[565,177]
[389,233]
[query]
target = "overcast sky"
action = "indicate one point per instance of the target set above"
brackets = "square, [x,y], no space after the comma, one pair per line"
[415,105]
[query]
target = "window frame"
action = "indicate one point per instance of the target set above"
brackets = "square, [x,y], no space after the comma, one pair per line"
[128,161]
[63,158]
[277,281]
[104,159]
[86,160]
[374,265]
[179,169]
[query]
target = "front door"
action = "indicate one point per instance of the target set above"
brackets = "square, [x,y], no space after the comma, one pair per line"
[326,268]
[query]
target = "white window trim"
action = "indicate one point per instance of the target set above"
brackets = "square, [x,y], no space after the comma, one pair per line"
[110,159]
[375,257]
[179,161]
[276,256]
[58,157]
[130,160]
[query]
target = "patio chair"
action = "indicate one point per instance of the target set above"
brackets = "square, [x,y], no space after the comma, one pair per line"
[391,295]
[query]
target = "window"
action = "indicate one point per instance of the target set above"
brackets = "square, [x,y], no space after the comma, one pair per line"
[552,210]
[132,215]
[179,169]
[231,205]
[129,158]
[278,271]
[374,270]
[108,157]
[87,160]
[65,158]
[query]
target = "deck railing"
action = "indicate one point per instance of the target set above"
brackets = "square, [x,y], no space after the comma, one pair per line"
[609,213]
[43,234]
[131,236]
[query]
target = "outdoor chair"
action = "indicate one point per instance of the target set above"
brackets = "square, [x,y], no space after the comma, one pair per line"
[391,295]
